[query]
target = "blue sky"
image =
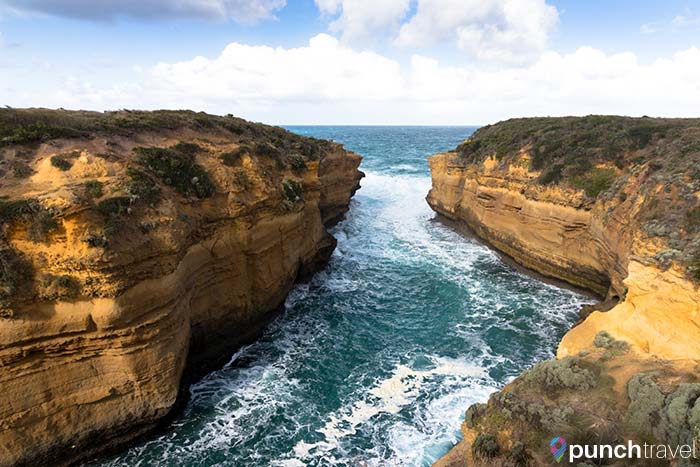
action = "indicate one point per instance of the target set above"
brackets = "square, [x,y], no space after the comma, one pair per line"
[374,62]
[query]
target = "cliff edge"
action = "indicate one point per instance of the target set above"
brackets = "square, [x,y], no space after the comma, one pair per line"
[138,247]
[611,204]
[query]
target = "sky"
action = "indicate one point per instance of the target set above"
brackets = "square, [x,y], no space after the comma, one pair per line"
[373,62]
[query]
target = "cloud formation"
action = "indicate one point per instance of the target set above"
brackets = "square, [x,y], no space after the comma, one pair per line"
[101,10]
[511,31]
[328,82]
[363,20]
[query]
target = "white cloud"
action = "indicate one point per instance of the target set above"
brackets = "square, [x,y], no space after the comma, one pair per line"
[364,20]
[328,82]
[324,70]
[512,31]
[684,21]
[239,10]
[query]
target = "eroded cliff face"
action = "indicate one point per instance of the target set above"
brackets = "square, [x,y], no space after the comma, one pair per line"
[621,224]
[136,245]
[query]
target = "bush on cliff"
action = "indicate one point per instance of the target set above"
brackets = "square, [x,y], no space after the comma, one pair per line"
[93,188]
[561,374]
[485,446]
[176,167]
[61,162]
[292,190]
[596,181]
[39,220]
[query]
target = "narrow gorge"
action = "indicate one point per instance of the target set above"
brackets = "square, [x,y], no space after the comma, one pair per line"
[138,251]
[178,288]
[610,204]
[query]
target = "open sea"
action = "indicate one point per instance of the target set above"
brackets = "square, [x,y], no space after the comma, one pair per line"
[376,359]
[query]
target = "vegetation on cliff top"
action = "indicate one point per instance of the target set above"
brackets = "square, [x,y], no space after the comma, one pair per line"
[33,126]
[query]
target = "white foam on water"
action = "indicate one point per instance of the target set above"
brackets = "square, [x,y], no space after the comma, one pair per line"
[409,416]
[390,396]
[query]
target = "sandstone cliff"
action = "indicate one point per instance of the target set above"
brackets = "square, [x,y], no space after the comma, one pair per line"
[610,204]
[135,245]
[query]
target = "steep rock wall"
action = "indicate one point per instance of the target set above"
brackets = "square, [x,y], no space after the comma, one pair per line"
[620,224]
[97,335]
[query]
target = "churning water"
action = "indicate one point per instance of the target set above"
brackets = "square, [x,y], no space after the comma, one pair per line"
[376,359]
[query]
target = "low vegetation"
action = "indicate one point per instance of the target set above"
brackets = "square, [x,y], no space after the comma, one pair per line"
[292,191]
[177,167]
[40,222]
[93,189]
[61,162]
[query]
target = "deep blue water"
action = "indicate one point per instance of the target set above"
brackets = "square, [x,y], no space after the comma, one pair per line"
[376,359]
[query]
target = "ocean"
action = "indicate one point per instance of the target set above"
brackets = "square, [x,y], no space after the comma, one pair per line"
[377,357]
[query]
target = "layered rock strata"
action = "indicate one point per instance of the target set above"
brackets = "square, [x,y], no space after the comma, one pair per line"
[136,245]
[610,204]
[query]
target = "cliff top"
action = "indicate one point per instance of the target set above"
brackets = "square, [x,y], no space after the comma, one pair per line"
[89,200]
[648,168]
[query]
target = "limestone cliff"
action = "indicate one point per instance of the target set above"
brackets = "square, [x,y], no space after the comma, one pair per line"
[138,247]
[610,204]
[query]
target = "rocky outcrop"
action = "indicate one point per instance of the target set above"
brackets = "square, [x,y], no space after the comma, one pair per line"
[139,250]
[605,203]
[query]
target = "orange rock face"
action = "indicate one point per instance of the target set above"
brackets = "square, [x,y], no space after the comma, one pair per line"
[116,305]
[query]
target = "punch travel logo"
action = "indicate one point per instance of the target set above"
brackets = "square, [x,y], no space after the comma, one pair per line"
[558,447]
[630,450]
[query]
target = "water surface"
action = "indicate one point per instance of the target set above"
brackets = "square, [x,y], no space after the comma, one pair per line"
[376,359]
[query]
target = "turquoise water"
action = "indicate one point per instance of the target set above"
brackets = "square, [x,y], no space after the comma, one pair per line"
[376,359]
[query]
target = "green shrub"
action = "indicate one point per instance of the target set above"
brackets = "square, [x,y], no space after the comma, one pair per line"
[187,149]
[177,169]
[113,211]
[518,455]
[474,413]
[595,182]
[267,149]
[61,163]
[551,176]
[646,402]
[96,241]
[93,188]
[561,374]
[692,219]
[485,446]
[606,341]
[142,187]
[681,415]
[14,271]
[292,190]
[40,221]
[297,163]
[34,132]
